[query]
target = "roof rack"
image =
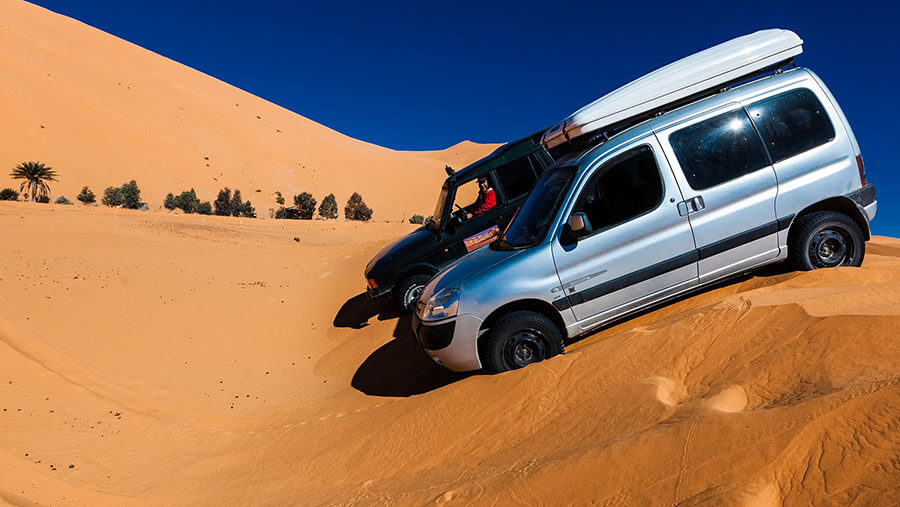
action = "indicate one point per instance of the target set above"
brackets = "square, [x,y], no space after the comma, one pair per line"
[581,143]
[678,83]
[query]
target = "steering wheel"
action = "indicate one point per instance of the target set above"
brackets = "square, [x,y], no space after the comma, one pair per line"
[459,216]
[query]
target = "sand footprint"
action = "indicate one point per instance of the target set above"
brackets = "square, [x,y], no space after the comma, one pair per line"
[669,391]
[732,399]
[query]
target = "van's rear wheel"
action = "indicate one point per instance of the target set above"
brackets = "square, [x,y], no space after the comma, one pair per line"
[409,290]
[827,239]
[519,339]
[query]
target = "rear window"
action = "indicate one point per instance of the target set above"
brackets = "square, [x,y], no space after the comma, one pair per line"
[791,123]
[719,149]
[518,176]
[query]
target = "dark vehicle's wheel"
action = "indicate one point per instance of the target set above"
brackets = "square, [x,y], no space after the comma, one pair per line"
[409,290]
[827,239]
[519,339]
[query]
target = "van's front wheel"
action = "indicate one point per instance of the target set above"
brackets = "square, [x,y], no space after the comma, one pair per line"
[519,339]
[827,239]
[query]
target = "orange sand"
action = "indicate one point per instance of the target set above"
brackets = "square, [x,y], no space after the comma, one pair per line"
[103,111]
[156,358]
[236,360]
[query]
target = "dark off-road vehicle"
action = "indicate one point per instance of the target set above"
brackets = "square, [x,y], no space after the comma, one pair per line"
[402,268]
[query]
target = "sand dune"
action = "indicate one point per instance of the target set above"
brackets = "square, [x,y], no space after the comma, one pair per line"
[103,111]
[177,359]
[155,358]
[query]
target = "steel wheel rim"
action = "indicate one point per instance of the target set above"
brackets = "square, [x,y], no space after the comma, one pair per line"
[523,348]
[412,294]
[831,247]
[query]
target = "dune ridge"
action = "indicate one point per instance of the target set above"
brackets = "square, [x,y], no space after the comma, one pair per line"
[154,358]
[187,359]
[103,111]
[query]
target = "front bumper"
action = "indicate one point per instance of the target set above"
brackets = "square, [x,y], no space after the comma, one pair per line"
[452,343]
[377,293]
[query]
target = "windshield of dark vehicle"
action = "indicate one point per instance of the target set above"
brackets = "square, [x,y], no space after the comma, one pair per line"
[439,209]
[530,225]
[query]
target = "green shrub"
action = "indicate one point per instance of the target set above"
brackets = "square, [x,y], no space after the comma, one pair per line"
[131,195]
[8,194]
[112,196]
[43,198]
[328,208]
[227,204]
[127,196]
[62,200]
[282,213]
[306,205]
[236,203]
[86,196]
[222,204]
[417,219]
[245,209]
[356,209]
[279,199]
[169,203]
[205,208]
[187,201]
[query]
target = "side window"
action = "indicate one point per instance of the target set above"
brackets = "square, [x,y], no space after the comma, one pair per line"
[791,123]
[625,187]
[517,177]
[719,149]
[470,199]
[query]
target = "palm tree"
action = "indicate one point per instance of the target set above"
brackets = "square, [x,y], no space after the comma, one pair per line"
[35,174]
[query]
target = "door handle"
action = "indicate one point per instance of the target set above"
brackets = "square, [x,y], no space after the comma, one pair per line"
[698,203]
[691,206]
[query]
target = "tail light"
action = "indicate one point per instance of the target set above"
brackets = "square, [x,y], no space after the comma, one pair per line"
[862,169]
[372,284]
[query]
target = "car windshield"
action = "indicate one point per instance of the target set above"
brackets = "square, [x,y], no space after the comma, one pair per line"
[533,219]
[435,222]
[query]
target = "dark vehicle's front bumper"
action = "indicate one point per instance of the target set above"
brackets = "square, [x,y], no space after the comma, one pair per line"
[377,293]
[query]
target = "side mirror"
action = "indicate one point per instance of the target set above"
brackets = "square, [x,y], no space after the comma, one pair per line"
[576,227]
[580,224]
[576,224]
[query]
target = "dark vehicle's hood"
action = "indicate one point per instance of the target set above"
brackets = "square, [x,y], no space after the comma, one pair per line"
[468,266]
[397,253]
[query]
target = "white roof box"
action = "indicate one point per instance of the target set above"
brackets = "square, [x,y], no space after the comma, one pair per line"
[701,71]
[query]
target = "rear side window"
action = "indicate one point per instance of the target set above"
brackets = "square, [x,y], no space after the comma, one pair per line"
[518,176]
[625,187]
[791,123]
[719,149]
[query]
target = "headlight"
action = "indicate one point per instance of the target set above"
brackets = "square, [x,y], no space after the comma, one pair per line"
[441,306]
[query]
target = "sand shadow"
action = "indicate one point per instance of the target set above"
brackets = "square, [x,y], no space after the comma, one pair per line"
[398,368]
[401,368]
[356,311]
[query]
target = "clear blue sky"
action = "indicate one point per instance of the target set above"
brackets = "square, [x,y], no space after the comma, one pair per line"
[425,75]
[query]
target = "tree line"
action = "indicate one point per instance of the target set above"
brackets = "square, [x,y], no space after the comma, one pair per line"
[36,177]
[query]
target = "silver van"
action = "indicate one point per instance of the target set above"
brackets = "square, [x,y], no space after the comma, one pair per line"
[761,172]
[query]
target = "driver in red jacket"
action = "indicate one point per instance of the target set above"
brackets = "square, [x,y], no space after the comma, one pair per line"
[487,199]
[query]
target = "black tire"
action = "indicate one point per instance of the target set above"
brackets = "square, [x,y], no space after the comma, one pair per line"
[827,239]
[408,291]
[519,339]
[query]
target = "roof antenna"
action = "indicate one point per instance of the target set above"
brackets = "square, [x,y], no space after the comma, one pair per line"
[449,170]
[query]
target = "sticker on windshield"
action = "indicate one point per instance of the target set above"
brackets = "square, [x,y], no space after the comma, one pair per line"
[482,238]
